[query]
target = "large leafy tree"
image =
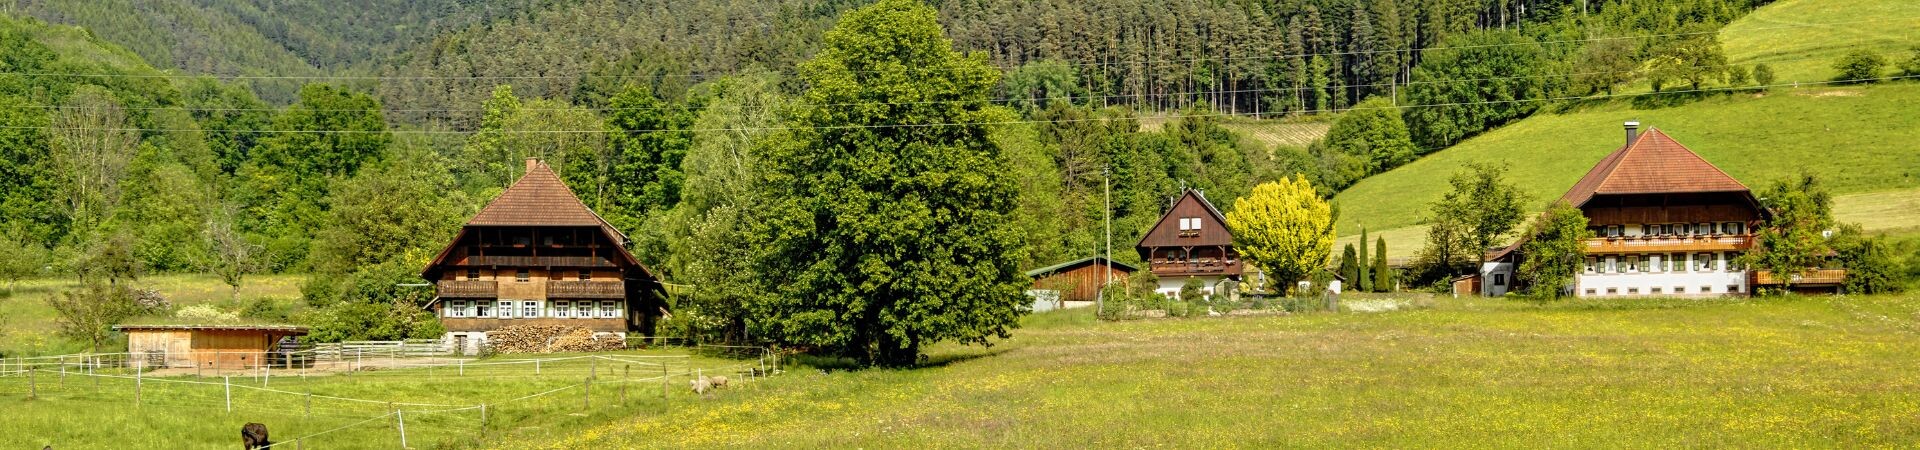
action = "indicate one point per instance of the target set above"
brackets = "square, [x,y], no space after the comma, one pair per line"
[1793,240]
[1483,205]
[324,137]
[1472,82]
[650,140]
[1374,133]
[1556,245]
[1284,228]
[891,205]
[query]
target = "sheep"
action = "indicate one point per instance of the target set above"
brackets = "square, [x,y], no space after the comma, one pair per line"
[719,381]
[701,385]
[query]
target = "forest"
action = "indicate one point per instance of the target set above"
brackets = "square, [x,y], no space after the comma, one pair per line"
[307,139]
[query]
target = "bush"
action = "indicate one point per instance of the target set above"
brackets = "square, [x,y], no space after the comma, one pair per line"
[1911,67]
[1763,75]
[1737,76]
[1859,66]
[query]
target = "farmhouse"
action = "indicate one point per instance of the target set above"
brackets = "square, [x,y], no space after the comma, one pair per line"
[1191,241]
[1666,222]
[1078,280]
[221,347]
[537,255]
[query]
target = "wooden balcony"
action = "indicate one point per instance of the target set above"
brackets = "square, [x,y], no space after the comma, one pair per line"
[613,289]
[469,289]
[1165,267]
[1670,244]
[1816,276]
[536,261]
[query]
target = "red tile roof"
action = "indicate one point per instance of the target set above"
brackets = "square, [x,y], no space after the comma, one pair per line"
[1653,164]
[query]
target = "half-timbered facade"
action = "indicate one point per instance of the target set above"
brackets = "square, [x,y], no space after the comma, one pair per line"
[537,255]
[1191,241]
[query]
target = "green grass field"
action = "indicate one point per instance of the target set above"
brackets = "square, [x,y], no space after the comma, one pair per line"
[1779,372]
[1777,35]
[92,412]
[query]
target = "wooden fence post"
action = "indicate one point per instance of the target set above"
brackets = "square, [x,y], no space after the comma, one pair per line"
[483,420]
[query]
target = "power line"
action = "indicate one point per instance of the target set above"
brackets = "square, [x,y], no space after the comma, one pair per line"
[1148,62]
[931,125]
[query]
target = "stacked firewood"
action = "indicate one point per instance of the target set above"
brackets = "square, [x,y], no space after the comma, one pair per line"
[548,339]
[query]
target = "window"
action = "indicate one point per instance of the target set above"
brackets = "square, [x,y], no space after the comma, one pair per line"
[482,309]
[1613,231]
[1189,223]
[1633,264]
[1736,228]
[1656,290]
[1644,263]
[562,308]
[1499,279]
[506,309]
[473,274]
[522,276]
[529,309]
[1676,262]
[1633,291]
[1679,289]
[1610,266]
[1612,291]
[1703,229]
[586,275]
[1706,289]
[456,308]
[1591,264]
[1589,291]
[1703,262]
[1733,288]
[609,309]
[1196,224]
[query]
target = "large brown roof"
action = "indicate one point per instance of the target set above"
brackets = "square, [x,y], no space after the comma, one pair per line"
[1653,164]
[1192,203]
[539,199]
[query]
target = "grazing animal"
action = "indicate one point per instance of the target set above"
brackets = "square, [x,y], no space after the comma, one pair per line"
[701,385]
[254,435]
[719,381]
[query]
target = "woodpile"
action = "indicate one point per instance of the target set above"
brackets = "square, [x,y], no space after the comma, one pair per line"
[549,339]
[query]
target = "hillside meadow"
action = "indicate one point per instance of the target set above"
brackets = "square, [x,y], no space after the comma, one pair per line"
[1443,373]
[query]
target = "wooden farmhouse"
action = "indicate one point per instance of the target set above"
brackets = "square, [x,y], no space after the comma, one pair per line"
[216,347]
[537,255]
[1667,224]
[1078,280]
[1191,241]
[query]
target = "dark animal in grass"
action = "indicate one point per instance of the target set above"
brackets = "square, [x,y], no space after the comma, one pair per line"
[254,435]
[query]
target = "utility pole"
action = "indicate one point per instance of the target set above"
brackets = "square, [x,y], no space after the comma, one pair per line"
[1106,211]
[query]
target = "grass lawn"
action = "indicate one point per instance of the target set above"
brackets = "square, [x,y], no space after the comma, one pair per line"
[1781,372]
[27,324]
[77,413]
[1801,54]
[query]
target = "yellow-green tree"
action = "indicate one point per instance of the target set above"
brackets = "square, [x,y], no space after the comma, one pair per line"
[1284,228]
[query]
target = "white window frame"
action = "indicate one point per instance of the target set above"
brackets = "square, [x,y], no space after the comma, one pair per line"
[456,308]
[530,308]
[482,308]
[504,309]
[1703,262]
[609,309]
[561,308]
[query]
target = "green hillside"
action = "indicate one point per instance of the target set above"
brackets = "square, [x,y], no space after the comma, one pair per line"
[1855,137]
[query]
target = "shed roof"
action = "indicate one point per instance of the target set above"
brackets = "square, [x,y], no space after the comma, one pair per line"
[1069,265]
[1652,164]
[277,329]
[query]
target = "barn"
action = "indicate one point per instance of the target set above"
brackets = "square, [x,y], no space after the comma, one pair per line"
[1077,280]
[225,347]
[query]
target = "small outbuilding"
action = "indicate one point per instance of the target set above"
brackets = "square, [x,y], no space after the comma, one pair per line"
[1077,280]
[222,347]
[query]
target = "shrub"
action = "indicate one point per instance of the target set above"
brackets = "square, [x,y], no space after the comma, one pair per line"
[1859,66]
[1911,67]
[1737,76]
[1763,75]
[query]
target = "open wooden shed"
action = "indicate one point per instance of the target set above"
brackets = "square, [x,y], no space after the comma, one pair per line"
[223,347]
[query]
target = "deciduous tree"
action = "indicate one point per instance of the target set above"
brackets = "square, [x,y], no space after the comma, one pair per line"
[1284,228]
[1556,246]
[1484,204]
[1793,241]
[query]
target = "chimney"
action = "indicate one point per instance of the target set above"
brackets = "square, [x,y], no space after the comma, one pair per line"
[1633,131]
[532,161]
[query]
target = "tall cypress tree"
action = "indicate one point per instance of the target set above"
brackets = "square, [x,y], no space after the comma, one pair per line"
[1350,266]
[1363,278]
[1382,278]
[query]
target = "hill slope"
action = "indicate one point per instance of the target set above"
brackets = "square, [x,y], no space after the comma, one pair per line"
[1855,137]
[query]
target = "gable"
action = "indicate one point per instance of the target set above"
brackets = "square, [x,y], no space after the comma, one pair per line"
[1193,221]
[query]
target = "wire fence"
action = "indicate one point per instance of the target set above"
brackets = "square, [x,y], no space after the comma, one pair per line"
[428,399]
